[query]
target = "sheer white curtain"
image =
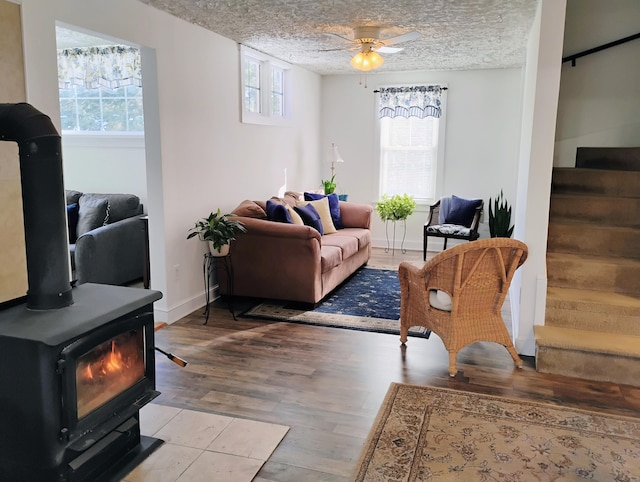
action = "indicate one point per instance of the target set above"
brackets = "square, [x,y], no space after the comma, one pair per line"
[409,140]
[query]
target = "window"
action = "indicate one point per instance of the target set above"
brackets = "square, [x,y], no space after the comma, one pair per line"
[408,155]
[410,141]
[102,109]
[252,86]
[266,88]
[100,89]
[277,92]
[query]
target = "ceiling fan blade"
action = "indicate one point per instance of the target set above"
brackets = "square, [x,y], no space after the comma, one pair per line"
[405,37]
[339,36]
[389,50]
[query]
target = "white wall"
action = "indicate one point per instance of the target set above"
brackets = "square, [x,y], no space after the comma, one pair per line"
[105,164]
[482,129]
[199,156]
[599,101]
[540,100]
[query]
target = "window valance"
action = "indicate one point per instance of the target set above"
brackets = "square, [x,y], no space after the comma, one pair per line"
[91,67]
[419,101]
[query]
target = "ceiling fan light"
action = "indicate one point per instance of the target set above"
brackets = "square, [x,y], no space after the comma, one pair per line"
[366,60]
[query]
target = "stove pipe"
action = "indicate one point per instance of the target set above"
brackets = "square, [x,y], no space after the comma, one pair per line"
[43,203]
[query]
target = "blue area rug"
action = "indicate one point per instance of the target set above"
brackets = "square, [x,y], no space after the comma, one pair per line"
[367,301]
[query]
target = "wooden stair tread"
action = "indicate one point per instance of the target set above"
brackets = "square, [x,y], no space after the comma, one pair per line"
[593,227]
[589,341]
[593,297]
[591,258]
[594,195]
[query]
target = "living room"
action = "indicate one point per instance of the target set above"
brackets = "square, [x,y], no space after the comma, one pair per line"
[187,140]
[188,130]
[195,142]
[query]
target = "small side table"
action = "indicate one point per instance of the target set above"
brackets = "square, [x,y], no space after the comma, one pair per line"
[209,265]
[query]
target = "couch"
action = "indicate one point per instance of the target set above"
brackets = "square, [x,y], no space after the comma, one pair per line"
[286,259]
[106,237]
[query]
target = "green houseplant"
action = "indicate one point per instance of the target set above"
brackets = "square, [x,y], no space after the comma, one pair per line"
[500,218]
[329,185]
[219,230]
[396,207]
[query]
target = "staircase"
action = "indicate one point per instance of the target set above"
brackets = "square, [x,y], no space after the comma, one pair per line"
[592,324]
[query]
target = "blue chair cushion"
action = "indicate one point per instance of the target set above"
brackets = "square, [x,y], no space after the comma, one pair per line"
[461,211]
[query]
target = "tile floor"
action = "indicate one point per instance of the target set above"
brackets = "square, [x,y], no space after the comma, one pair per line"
[203,447]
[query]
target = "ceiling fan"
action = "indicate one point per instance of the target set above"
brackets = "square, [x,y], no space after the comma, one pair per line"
[367,40]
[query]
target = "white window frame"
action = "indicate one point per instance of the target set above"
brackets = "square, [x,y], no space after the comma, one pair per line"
[267,65]
[422,204]
[99,133]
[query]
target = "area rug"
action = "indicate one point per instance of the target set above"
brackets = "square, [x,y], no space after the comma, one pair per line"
[368,301]
[425,433]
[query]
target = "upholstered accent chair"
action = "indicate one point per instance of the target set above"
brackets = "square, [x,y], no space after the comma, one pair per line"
[452,217]
[459,293]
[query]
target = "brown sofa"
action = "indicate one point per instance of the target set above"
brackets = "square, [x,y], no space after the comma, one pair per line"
[277,260]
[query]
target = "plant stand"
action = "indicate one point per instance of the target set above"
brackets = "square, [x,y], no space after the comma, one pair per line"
[404,234]
[208,268]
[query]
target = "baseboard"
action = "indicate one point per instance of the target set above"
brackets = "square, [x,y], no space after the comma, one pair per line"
[184,308]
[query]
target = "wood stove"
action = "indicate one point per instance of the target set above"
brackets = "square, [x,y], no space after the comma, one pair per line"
[73,384]
[77,364]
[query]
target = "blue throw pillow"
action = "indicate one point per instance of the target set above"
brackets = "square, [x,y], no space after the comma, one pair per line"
[72,221]
[461,211]
[310,217]
[278,212]
[334,206]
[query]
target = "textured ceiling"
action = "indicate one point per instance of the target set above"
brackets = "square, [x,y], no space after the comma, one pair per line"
[456,34]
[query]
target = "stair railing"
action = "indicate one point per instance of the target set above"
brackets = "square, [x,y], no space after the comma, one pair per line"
[584,53]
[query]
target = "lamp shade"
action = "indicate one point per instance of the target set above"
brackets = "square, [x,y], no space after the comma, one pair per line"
[335,155]
[368,60]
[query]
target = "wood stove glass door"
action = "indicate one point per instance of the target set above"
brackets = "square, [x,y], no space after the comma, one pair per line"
[109,369]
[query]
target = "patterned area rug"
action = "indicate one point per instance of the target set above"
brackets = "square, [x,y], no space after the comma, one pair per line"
[367,301]
[424,433]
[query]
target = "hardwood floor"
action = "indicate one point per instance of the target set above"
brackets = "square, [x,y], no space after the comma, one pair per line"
[327,383]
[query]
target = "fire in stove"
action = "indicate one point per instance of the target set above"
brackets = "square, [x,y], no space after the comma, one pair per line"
[109,369]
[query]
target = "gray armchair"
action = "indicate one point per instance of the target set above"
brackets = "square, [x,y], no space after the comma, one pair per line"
[109,238]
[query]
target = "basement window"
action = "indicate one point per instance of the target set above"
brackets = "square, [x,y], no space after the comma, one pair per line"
[266,88]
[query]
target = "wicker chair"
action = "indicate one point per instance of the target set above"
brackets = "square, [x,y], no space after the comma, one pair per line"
[476,277]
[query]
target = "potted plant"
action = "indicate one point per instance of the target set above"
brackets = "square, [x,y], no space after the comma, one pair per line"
[218,230]
[500,218]
[396,207]
[329,185]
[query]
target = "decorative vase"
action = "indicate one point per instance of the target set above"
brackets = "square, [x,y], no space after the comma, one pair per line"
[223,251]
